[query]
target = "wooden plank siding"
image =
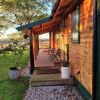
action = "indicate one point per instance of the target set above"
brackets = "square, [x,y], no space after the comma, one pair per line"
[80,55]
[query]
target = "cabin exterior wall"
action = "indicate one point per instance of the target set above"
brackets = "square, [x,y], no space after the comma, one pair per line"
[80,55]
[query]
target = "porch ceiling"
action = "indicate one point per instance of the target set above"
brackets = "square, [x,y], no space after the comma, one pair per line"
[61,8]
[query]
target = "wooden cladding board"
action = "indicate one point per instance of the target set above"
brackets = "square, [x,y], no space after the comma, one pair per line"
[80,55]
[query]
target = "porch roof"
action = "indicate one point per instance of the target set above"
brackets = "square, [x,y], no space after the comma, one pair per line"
[61,9]
[36,23]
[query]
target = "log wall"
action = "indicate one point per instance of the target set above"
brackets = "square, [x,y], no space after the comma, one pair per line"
[80,55]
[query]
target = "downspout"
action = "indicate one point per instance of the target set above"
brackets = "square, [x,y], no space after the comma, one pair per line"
[95,79]
[94,53]
[31,53]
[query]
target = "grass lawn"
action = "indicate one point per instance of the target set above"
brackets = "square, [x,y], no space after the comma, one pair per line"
[12,89]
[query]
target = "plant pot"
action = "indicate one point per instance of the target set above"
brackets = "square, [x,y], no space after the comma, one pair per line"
[14,73]
[65,72]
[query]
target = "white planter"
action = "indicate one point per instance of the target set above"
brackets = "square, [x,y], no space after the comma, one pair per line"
[14,73]
[65,72]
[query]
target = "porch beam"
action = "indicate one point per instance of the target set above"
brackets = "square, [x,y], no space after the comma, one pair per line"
[55,8]
[64,7]
[74,4]
[36,23]
[60,14]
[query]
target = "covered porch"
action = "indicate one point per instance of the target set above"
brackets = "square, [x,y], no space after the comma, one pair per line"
[71,29]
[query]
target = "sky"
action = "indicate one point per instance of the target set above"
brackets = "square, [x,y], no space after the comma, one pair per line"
[11,30]
[44,36]
[8,31]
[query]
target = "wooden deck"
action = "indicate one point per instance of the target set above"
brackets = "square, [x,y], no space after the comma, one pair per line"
[43,59]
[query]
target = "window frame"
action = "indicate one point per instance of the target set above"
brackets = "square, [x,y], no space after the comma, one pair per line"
[75,21]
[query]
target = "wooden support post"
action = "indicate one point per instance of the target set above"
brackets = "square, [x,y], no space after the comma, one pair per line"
[31,53]
[53,40]
[50,39]
[36,44]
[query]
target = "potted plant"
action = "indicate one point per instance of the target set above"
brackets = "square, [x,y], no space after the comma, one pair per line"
[65,70]
[14,71]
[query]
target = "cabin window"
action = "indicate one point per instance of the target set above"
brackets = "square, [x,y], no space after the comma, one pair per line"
[98,6]
[75,26]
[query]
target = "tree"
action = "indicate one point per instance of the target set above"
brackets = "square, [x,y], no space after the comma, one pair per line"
[16,36]
[6,21]
[26,11]
[3,23]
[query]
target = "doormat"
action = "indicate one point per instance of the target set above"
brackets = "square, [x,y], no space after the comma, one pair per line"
[47,71]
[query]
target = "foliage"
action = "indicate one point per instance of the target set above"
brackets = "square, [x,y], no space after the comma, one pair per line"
[25,36]
[3,23]
[7,61]
[26,11]
[16,36]
[64,63]
[16,44]
[17,50]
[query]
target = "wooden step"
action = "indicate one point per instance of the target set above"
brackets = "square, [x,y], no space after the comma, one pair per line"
[48,71]
[47,67]
[49,79]
[52,82]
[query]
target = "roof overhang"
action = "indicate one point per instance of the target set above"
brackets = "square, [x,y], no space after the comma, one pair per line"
[61,9]
[33,24]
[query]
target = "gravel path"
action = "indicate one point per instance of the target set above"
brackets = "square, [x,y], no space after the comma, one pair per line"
[53,93]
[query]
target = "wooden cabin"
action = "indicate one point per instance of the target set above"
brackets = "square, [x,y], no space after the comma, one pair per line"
[74,23]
